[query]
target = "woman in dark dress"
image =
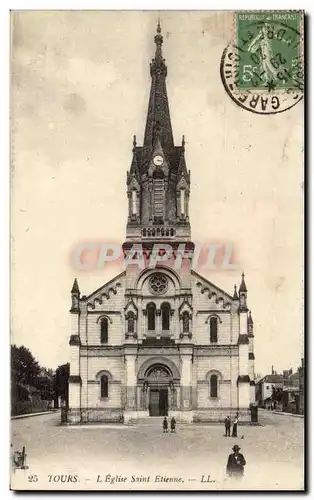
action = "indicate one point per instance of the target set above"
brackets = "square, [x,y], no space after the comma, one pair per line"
[173,424]
[235,427]
[165,424]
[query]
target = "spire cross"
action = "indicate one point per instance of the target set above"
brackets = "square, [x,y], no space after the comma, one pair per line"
[158,40]
[158,25]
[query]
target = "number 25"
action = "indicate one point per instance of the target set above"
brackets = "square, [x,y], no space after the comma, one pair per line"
[33,478]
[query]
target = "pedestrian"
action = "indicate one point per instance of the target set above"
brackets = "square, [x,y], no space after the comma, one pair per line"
[236,463]
[227,426]
[165,424]
[235,427]
[173,424]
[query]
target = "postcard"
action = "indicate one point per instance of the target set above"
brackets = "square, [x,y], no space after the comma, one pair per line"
[157,169]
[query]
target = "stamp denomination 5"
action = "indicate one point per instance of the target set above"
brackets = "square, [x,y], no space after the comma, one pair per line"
[263,68]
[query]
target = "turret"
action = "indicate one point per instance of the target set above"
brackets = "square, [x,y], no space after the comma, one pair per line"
[250,324]
[75,297]
[75,343]
[243,296]
[133,187]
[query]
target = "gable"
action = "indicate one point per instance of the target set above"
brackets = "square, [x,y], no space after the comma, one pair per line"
[213,293]
[106,291]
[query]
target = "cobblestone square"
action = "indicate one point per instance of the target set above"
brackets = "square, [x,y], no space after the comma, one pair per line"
[143,457]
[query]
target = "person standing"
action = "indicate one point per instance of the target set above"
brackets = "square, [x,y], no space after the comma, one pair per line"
[227,426]
[165,424]
[236,463]
[173,424]
[235,426]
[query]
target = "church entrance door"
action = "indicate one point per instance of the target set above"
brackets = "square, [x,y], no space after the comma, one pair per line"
[158,402]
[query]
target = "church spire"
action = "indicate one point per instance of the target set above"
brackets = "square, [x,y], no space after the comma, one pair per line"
[182,170]
[243,285]
[134,165]
[158,41]
[158,182]
[75,297]
[75,287]
[158,123]
[243,295]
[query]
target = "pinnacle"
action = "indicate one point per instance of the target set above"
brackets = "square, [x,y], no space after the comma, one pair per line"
[242,287]
[75,287]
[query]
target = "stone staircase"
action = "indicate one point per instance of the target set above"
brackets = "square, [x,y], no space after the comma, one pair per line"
[147,421]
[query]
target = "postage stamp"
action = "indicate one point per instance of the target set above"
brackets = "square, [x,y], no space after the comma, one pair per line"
[263,69]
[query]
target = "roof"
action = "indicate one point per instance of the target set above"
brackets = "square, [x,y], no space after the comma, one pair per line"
[105,284]
[272,379]
[242,287]
[75,287]
[211,284]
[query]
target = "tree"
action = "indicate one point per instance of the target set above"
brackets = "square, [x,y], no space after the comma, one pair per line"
[45,384]
[62,382]
[24,374]
[24,367]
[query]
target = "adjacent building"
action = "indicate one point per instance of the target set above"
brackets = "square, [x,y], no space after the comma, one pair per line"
[301,371]
[265,389]
[283,392]
[291,392]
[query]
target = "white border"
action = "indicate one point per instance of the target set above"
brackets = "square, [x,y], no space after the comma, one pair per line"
[4,173]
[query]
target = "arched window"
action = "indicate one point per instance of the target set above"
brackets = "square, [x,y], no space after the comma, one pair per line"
[186,322]
[213,330]
[182,201]
[104,386]
[158,196]
[214,386]
[151,314]
[165,316]
[131,322]
[104,330]
[134,202]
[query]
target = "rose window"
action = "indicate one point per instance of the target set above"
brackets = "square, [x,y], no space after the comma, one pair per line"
[158,284]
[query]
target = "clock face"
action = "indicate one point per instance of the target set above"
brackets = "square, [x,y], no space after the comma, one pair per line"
[158,160]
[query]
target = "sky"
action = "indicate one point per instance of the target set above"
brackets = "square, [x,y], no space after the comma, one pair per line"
[79,92]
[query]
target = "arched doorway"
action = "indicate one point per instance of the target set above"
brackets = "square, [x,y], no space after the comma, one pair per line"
[158,377]
[158,382]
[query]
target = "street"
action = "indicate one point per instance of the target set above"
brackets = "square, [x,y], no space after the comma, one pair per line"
[143,457]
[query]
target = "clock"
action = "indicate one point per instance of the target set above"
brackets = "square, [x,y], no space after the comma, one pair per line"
[158,160]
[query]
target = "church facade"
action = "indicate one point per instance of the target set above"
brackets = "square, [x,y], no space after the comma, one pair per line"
[158,340]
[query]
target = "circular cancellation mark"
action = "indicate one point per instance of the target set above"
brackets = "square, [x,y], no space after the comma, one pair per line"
[263,72]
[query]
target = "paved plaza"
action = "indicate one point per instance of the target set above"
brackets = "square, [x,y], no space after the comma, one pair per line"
[143,457]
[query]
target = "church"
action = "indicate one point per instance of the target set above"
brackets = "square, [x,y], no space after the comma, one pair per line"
[160,340]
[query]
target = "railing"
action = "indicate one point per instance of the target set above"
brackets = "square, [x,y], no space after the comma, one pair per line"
[158,341]
[158,232]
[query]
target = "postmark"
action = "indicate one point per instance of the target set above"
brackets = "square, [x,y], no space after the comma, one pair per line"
[262,69]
